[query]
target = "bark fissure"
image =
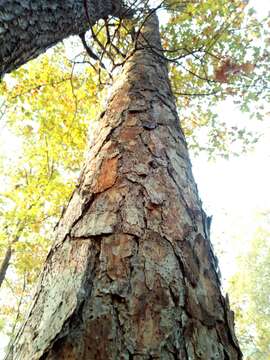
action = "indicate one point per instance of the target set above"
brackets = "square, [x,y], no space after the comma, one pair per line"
[191,215]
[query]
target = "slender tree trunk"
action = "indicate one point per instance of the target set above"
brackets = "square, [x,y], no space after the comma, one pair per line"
[29,27]
[5,264]
[9,252]
[132,274]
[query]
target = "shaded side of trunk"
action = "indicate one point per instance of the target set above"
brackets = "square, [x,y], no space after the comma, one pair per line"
[132,274]
[5,264]
[29,27]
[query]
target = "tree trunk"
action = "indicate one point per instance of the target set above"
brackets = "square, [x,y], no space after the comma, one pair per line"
[9,252]
[29,27]
[5,264]
[132,274]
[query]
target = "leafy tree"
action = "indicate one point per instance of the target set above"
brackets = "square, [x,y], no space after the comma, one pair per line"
[250,289]
[221,56]
[52,138]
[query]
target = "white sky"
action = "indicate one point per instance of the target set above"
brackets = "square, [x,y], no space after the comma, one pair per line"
[232,191]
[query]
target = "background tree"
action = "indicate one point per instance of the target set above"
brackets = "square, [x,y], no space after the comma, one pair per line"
[52,138]
[249,288]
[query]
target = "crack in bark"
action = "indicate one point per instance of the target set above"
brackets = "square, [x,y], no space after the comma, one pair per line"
[182,270]
[180,192]
[114,300]
[75,321]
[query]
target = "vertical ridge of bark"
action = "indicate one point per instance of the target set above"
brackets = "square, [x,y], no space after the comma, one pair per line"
[132,274]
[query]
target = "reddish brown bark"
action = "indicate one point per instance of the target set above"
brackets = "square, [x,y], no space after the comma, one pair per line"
[132,274]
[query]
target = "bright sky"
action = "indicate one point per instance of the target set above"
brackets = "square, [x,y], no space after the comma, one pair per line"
[232,191]
[235,191]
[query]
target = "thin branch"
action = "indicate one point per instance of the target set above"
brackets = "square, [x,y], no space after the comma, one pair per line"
[19,306]
[89,51]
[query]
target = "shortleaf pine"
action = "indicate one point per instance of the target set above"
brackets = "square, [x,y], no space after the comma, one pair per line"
[132,273]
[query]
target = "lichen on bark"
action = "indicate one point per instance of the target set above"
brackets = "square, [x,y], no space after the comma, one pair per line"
[132,274]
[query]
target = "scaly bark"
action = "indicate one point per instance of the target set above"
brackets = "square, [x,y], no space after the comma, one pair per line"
[29,27]
[132,274]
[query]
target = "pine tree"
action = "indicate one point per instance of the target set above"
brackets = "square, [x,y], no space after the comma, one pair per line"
[132,274]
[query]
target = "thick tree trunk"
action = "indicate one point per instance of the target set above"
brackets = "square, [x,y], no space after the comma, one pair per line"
[132,274]
[29,27]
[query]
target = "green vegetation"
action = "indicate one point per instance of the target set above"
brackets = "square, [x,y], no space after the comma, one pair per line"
[250,294]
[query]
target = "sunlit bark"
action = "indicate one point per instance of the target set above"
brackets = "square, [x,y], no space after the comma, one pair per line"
[132,274]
